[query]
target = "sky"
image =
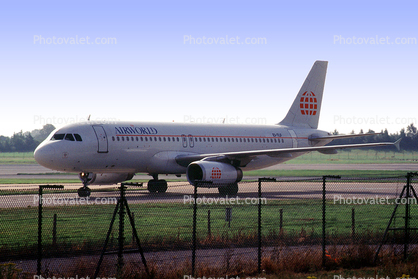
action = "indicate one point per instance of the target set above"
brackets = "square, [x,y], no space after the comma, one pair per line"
[206,61]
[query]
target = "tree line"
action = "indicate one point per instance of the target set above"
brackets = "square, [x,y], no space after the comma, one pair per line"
[28,141]
[25,141]
[409,138]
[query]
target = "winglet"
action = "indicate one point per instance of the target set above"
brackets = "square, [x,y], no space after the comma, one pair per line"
[398,144]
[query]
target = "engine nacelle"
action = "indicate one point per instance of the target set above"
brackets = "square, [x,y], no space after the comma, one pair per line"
[218,173]
[104,178]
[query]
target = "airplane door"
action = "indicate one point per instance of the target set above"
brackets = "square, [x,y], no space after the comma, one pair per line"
[101,139]
[191,141]
[184,140]
[294,138]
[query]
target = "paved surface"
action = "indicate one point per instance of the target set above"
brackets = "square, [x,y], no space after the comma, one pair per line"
[31,171]
[182,193]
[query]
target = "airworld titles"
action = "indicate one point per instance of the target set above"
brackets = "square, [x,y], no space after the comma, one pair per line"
[132,130]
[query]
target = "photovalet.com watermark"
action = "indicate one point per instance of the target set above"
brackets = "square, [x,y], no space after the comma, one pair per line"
[82,40]
[221,277]
[374,120]
[339,199]
[69,277]
[57,121]
[374,40]
[188,199]
[53,201]
[227,40]
[336,276]
[224,120]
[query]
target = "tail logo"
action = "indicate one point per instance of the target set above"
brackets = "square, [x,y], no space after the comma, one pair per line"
[308,103]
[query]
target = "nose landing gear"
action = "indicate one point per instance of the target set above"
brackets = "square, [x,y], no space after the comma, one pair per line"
[84,191]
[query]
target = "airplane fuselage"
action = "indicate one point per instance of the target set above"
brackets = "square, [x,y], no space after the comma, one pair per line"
[132,147]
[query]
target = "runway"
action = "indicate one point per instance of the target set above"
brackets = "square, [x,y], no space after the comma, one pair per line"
[31,171]
[180,192]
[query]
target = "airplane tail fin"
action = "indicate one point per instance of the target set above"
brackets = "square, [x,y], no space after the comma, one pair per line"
[306,108]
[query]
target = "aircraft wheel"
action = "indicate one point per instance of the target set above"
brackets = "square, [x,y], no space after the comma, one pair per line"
[232,189]
[162,186]
[223,191]
[152,186]
[84,192]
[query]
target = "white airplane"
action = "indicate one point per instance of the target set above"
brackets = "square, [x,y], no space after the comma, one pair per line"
[215,154]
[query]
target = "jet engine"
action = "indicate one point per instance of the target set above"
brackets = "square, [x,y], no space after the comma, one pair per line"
[218,173]
[104,178]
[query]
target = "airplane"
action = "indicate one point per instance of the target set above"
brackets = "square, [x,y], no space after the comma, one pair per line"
[210,155]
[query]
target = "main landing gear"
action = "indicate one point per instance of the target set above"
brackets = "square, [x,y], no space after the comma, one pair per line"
[84,191]
[157,185]
[228,190]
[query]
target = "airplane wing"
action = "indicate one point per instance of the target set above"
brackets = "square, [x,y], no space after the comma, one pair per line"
[333,137]
[244,157]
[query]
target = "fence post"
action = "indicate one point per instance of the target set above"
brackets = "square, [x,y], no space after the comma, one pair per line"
[194,231]
[54,230]
[353,223]
[209,230]
[407,215]
[40,193]
[133,224]
[259,227]
[324,193]
[259,219]
[121,237]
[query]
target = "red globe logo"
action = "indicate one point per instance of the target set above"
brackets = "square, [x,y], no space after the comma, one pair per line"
[216,173]
[308,103]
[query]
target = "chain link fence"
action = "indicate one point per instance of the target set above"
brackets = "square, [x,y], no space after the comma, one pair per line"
[302,225]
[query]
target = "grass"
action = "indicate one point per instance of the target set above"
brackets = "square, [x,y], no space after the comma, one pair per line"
[11,158]
[161,226]
[354,156]
[358,156]
[320,173]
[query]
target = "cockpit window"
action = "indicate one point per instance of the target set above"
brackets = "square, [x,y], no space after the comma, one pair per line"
[77,137]
[58,137]
[69,137]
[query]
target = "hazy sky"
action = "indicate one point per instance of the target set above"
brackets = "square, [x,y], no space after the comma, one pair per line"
[61,61]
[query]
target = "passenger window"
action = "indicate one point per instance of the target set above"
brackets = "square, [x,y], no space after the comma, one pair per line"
[117,138]
[127,138]
[69,137]
[123,138]
[113,138]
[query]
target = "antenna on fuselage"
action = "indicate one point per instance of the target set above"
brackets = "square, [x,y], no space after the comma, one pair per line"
[88,118]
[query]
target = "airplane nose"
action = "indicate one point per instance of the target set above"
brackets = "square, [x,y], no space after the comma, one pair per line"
[44,155]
